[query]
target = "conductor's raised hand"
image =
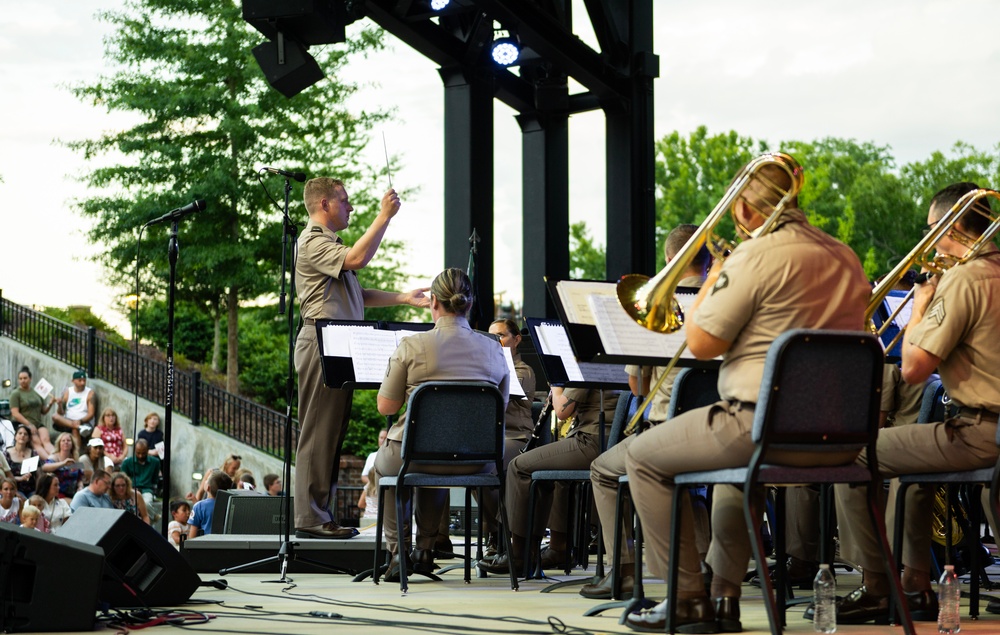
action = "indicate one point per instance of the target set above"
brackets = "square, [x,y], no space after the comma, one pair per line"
[418,298]
[390,203]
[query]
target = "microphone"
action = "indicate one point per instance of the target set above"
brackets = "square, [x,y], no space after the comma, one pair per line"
[298,176]
[179,213]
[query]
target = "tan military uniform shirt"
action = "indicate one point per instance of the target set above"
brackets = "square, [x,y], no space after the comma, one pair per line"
[962,327]
[326,291]
[661,400]
[586,417]
[517,422]
[448,352]
[797,276]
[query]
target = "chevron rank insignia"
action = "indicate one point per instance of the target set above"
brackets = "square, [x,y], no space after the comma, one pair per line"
[936,312]
[317,229]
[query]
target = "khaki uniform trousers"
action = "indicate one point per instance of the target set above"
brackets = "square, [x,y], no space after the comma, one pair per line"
[604,474]
[954,445]
[571,453]
[430,501]
[713,437]
[324,414]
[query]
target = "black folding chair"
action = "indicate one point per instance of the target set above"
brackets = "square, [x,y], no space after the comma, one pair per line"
[450,423]
[819,397]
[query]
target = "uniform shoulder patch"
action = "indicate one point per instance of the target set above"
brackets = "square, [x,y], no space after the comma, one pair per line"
[936,312]
[316,229]
[721,283]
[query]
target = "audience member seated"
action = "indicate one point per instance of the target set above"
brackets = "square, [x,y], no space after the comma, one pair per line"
[10,504]
[368,501]
[200,523]
[180,511]
[245,480]
[27,408]
[144,470]
[110,431]
[232,465]
[30,516]
[56,510]
[95,494]
[199,495]
[65,465]
[272,485]
[18,454]
[76,409]
[38,503]
[94,458]
[151,433]
[124,497]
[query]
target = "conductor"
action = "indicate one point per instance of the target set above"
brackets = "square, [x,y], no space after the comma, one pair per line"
[327,284]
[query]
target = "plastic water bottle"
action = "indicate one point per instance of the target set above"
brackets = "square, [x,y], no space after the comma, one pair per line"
[949,593]
[825,590]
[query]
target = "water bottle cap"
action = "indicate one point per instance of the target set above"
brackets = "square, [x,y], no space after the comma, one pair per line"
[949,567]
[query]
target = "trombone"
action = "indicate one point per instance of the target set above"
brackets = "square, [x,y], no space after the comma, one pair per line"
[651,302]
[923,254]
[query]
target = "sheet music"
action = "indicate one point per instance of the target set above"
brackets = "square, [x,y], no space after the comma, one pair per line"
[370,353]
[603,373]
[903,318]
[556,342]
[574,296]
[403,334]
[337,339]
[621,335]
[29,465]
[43,388]
[515,385]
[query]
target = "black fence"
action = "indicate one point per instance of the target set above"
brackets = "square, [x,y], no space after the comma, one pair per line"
[204,404]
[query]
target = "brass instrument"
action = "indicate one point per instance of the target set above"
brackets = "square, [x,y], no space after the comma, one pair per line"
[938,519]
[651,302]
[923,256]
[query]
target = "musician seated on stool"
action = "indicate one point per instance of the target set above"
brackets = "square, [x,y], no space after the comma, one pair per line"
[450,351]
[795,276]
[953,328]
[606,469]
[575,451]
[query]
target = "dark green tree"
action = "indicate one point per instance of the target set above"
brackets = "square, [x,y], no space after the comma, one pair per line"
[586,260]
[205,120]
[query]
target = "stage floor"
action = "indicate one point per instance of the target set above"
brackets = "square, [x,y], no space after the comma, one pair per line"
[254,604]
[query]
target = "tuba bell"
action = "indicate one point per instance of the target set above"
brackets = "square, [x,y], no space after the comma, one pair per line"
[651,301]
[923,254]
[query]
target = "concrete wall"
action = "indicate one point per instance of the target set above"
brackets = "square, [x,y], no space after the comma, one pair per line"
[194,448]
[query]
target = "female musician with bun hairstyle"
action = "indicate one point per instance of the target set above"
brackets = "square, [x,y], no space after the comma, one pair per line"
[450,351]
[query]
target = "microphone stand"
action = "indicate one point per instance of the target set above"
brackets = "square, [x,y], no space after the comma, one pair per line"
[286,551]
[173,249]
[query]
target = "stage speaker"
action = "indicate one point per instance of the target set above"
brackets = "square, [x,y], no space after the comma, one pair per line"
[298,71]
[249,512]
[140,567]
[47,583]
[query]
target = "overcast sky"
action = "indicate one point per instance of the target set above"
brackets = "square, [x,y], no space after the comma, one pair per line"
[916,75]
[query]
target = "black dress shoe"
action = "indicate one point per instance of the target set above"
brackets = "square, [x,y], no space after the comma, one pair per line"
[923,605]
[993,607]
[727,614]
[326,530]
[392,573]
[423,560]
[501,564]
[696,615]
[443,549]
[860,606]
[799,575]
[602,590]
[552,559]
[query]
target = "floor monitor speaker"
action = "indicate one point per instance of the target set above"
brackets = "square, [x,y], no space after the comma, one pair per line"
[33,569]
[140,567]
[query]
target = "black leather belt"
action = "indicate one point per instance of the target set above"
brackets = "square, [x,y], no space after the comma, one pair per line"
[983,414]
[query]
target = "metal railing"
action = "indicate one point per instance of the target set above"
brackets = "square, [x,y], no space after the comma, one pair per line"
[203,403]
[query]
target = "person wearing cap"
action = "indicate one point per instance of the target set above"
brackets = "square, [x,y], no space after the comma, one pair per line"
[76,409]
[94,459]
